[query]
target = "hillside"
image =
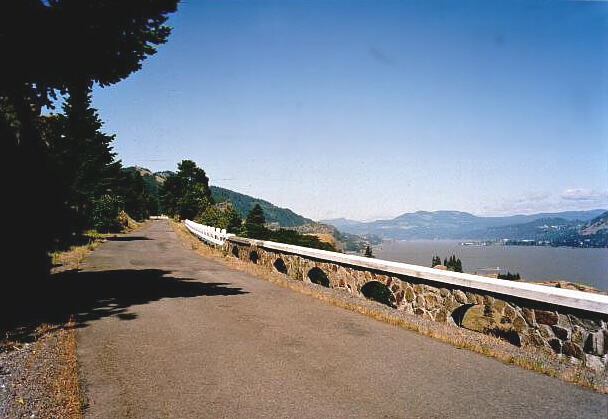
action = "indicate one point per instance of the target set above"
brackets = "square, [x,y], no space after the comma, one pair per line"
[593,233]
[456,224]
[242,203]
[597,225]
[276,217]
[543,229]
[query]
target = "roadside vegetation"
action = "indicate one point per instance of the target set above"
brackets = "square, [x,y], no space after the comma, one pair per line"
[186,195]
[452,264]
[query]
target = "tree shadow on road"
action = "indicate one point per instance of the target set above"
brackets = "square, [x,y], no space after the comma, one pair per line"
[86,296]
[126,238]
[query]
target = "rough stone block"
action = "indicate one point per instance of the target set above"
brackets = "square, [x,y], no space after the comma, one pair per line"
[546,317]
[572,349]
[431,301]
[529,316]
[561,332]
[460,296]
[587,324]
[564,321]
[451,304]
[519,324]
[409,294]
[474,319]
[594,344]
[472,298]
[499,305]
[578,335]
[444,292]
[430,288]
[399,297]
[595,362]
[441,316]
[534,338]
[556,345]
[509,312]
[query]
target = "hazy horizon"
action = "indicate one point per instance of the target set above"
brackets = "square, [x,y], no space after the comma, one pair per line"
[370,110]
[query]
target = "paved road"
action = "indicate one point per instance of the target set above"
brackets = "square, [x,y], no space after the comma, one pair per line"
[170,334]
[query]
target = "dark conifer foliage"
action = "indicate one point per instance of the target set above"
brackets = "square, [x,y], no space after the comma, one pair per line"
[49,47]
[83,156]
[255,224]
[186,194]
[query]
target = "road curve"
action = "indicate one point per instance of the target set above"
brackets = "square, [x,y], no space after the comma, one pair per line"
[166,333]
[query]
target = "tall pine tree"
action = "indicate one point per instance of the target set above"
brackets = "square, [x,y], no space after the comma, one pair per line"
[85,161]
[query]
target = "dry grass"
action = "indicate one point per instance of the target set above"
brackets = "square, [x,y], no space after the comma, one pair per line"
[66,391]
[74,256]
[530,358]
[324,237]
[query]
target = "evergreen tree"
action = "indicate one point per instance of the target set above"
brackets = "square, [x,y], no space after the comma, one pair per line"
[100,42]
[83,156]
[234,222]
[368,252]
[255,224]
[436,261]
[137,200]
[186,194]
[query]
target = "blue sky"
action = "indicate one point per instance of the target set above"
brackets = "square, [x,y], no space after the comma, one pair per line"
[370,109]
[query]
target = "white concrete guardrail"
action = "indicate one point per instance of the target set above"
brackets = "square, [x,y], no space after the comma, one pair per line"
[597,303]
[570,322]
[212,235]
[564,297]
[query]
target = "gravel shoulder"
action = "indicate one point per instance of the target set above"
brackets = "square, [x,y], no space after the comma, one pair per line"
[38,362]
[40,379]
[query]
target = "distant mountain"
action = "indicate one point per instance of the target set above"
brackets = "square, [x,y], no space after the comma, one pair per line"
[452,224]
[593,233]
[341,222]
[542,229]
[597,225]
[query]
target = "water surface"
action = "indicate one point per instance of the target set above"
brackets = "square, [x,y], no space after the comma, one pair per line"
[533,263]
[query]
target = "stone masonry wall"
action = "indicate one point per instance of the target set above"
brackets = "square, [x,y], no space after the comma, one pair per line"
[572,333]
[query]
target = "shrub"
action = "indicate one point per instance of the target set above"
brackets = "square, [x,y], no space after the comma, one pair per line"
[106,214]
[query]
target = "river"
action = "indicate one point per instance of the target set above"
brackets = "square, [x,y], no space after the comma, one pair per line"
[533,263]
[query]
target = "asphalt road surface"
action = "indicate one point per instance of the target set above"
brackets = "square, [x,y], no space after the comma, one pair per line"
[167,333]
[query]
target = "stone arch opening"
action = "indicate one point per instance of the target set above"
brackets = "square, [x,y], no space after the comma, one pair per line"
[253,256]
[317,276]
[235,251]
[379,292]
[458,314]
[280,266]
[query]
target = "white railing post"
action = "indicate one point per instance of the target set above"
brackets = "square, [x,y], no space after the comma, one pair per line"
[211,234]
